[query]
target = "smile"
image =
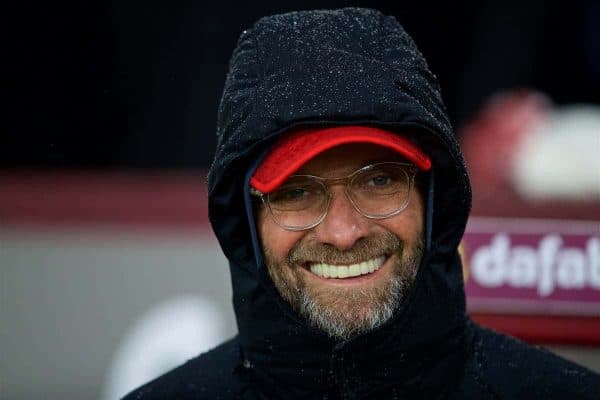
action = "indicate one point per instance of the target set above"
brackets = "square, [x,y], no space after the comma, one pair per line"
[347,271]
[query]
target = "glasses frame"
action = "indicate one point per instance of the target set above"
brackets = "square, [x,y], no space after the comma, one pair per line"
[410,169]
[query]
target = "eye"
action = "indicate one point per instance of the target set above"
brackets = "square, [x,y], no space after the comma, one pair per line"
[293,197]
[291,194]
[379,180]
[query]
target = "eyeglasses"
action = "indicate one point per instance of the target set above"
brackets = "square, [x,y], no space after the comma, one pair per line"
[376,191]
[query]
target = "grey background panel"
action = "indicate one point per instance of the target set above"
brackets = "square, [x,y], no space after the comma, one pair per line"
[69,297]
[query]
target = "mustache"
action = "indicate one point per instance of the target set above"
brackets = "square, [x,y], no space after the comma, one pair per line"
[364,249]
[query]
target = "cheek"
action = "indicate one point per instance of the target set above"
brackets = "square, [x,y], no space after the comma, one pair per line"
[408,225]
[276,241]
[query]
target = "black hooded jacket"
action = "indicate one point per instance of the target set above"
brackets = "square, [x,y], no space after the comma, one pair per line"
[359,67]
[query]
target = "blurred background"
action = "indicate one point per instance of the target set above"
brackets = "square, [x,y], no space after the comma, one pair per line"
[109,271]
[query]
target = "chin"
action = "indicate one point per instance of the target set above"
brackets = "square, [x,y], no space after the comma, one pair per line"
[343,312]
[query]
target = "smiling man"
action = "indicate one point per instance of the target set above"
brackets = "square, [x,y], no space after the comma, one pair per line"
[339,195]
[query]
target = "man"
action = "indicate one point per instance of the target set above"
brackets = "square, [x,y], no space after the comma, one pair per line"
[339,196]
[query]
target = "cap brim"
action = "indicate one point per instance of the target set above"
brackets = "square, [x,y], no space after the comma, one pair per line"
[292,151]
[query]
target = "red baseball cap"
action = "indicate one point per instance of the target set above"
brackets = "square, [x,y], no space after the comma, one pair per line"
[292,151]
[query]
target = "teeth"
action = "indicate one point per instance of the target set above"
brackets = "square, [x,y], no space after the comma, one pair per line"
[347,271]
[364,267]
[333,272]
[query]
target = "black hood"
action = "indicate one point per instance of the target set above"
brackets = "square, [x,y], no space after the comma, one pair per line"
[342,67]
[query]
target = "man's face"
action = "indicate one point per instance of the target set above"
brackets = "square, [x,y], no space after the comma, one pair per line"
[344,307]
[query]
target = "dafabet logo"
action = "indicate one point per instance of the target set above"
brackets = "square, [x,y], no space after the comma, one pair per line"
[532,266]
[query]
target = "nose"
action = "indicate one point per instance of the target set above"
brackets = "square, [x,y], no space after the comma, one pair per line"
[343,225]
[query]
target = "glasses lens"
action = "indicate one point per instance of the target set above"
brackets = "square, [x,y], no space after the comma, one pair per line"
[298,203]
[381,190]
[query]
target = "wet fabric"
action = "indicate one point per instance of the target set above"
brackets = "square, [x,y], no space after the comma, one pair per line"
[350,67]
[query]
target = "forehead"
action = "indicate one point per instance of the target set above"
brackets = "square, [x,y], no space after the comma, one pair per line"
[347,158]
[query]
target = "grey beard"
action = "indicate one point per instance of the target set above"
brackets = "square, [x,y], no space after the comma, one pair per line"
[337,326]
[335,315]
